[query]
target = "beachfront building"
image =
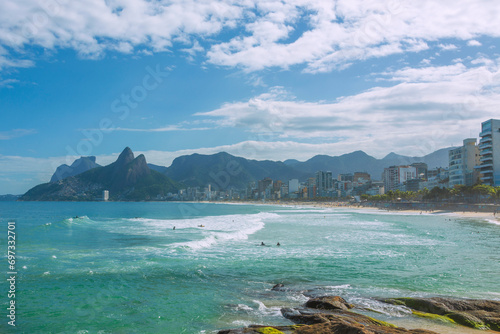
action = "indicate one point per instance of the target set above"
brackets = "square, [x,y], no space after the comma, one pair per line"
[293,186]
[324,183]
[489,146]
[462,162]
[438,177]
[105,195]
[311,187]
[421,169]
[394,177]
[361,178]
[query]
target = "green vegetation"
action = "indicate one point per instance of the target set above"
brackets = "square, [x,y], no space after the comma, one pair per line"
[382,323]
[269,330]
[479,193]
[433,316]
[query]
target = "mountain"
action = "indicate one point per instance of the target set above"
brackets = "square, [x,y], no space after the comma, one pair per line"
[436,159]
[225,171]
[77,167]
[128,178]
[160,169]
[359,161]
[9,198]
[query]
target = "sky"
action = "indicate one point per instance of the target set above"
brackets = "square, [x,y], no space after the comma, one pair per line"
[266,79]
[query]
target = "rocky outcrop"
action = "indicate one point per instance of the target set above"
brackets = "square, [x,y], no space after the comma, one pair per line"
[327,315]
[475,313]
[340,321]
[79,166]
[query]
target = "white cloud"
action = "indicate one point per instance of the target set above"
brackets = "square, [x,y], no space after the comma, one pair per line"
[447,47]
[168,128]
[320,34]
[8,82]
[427,109]
[473,42]
[344,31]
[7,135]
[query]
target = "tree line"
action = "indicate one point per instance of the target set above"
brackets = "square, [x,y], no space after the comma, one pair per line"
[480,193]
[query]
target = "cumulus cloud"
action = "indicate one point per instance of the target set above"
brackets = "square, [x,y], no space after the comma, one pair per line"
[428,108]
[320,34]
[473,42]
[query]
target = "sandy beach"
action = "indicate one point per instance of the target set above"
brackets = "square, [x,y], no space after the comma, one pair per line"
[490,216]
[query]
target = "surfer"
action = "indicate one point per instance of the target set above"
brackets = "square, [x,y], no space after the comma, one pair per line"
[262,243]
[278,244]
[174,228]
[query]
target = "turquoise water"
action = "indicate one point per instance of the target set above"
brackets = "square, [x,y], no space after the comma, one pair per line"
[122,268]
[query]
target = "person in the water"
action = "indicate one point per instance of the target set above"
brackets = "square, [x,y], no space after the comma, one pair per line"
[278,244]
[262,243]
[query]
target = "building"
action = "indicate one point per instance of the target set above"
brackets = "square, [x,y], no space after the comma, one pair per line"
[361,177]
[462,162]
[345,177]
[489,146]
[105,195]
[293,186]
[311,187]
[395,176]
[324,183]
[263,186]
[438,177]
[421,169]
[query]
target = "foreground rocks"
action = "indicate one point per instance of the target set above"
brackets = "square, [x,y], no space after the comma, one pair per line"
[479,314]
[331,315]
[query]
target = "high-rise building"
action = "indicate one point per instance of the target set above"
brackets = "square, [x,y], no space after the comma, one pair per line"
[345,177]
[361,177]
[293,186]
[421,169]
[489,146]
[395,176]
[105,195]
[462,162]
[324,183]
[311,187]
[263,185]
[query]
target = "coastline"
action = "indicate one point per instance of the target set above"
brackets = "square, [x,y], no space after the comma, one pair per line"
[484,215]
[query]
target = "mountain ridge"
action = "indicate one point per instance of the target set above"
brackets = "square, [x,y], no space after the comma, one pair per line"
[79,166]
[128,178]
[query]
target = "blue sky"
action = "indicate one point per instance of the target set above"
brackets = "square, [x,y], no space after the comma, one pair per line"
[259,79]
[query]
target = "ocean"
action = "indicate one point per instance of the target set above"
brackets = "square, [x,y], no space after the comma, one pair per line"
[123,268]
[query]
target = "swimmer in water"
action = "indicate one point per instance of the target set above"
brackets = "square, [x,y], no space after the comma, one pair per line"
[262,243]
[278,244]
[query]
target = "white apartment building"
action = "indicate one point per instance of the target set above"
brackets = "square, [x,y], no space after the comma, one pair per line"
[462,162]
[395,176]
[489,146]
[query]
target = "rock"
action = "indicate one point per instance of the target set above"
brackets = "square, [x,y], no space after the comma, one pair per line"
[301,316]
[328,303]
[341,322]
[258,329]
[474,313]
[343,327]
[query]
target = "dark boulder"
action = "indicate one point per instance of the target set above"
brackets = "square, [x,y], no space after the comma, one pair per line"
[328,303]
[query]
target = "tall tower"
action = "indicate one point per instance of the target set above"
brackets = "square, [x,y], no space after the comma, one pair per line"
[490,152]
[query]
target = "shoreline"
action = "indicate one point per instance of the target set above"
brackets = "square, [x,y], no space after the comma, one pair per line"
[484,215]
